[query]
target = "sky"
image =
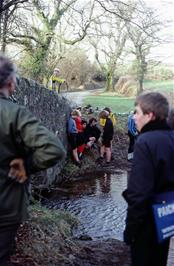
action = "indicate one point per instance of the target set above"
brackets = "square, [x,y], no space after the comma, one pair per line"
[165,9]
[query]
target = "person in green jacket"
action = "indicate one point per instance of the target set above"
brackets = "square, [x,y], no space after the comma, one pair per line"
[22,139]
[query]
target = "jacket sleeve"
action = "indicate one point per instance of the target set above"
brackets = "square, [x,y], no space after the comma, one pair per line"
[140,189]
[102,122]
[113,119]
[44,148]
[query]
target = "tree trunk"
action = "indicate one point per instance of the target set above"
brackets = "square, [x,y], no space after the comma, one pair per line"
[140,83]
[4,21]
[109,81]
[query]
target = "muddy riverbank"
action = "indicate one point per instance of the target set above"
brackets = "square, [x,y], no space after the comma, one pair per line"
[80,250]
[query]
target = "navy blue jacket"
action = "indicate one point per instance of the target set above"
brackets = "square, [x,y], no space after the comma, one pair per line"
[108,130]
[152,173]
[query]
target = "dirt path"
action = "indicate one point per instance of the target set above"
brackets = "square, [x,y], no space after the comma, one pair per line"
[78,97]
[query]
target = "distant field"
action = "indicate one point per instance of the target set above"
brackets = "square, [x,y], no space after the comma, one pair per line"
[164,85]
[125,104]
[117,104]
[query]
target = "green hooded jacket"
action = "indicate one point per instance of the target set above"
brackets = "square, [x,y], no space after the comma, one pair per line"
[22,136]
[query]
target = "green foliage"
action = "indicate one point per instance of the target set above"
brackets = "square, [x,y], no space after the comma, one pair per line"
[46,237]
[159,72]
[32,65]
[76,67]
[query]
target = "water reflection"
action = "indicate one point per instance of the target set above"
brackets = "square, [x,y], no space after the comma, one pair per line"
[105,183]
[98,204]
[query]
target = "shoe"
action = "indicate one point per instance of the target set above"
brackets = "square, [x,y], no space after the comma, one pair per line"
[79,164]
[130,156]
[80,156]
[100,159]
[106,164]
[94,146]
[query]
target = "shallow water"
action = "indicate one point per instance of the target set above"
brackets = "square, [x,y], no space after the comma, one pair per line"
[96,202]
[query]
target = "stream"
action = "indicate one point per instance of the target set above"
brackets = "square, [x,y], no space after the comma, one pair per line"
[97,203]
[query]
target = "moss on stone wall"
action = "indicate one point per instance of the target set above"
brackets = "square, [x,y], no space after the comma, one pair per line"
[53,110]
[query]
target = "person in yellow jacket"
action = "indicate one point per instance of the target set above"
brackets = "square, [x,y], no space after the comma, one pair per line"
[55,81]
[111,116]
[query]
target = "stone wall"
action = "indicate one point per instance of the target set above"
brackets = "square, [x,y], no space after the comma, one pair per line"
[53,111]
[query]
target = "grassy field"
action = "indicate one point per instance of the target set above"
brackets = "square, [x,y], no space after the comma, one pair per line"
[117,104]
[125,104]
[164,85]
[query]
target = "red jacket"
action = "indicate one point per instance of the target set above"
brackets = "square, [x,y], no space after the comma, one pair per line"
[78,124]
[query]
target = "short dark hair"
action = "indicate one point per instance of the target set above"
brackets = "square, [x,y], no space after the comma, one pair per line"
[7,70]
[103,114]
[153,102]
[107,109]
[83,121]
[92,119]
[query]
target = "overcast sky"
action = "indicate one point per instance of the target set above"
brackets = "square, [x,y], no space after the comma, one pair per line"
[165,9]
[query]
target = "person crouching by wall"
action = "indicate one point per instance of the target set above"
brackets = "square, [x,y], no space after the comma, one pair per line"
[92,130]
[73,136]
[107,136]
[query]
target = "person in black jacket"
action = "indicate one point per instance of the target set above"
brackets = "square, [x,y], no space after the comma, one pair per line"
[107,136]
[152,173]
[92,130]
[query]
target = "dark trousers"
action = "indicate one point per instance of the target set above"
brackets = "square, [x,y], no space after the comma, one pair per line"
[7,241]
[131,142]
[145,251]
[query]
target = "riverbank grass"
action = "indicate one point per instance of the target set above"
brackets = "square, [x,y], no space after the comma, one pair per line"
[46,238]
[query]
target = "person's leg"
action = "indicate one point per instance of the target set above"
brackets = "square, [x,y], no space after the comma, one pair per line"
[90,143]
[75,155]
[102,151]
[7,240]
[161,254]
[74,146]
[108,150]
[81,150]
[108,154]
[145,251]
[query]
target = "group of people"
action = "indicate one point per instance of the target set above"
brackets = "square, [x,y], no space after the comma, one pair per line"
[27,146]
[84,135]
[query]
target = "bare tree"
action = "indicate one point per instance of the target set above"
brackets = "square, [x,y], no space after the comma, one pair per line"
[109,40]
[7,11]
[143,27]
[39,35]
[7,4]
[144,37]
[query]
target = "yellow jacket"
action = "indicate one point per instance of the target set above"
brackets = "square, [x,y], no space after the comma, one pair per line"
[103,120]
[55,83]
